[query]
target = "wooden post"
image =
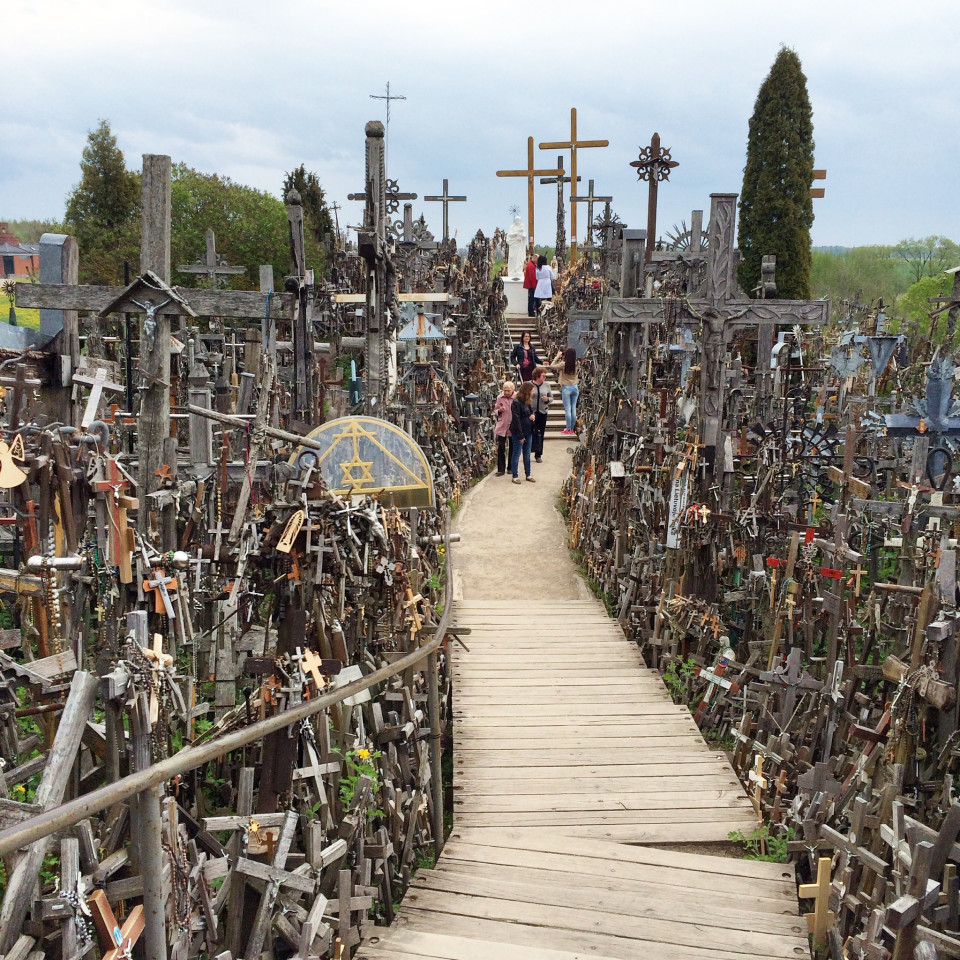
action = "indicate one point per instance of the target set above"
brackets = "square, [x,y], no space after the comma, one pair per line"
[154,420]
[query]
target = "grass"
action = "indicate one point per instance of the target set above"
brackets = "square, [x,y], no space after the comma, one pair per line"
[25,317]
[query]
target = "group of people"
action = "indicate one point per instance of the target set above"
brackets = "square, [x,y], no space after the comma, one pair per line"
[521,414]
[538,280]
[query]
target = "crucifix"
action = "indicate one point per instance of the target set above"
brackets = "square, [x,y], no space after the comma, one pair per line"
[573,144]
[113,482]
[530,173]
[590,199]
[446,199]
[653,165]
[560,180]
[213,266]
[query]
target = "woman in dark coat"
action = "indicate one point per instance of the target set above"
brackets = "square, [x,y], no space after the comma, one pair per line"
[521,429]
[524,357]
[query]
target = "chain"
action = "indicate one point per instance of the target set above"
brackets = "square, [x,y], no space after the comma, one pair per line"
[180,874]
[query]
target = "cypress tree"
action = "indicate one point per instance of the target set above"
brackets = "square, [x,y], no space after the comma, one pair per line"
[776,211]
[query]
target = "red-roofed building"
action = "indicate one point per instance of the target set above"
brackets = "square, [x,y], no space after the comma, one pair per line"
[17,259]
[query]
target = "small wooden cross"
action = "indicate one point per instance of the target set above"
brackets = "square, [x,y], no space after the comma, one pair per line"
[97,384]
[759,781]
[310,663]
[121,939]
[416,622]
[822,917]
[160,586]
[856,575]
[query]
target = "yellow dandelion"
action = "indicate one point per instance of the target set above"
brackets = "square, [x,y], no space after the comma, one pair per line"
[363,754]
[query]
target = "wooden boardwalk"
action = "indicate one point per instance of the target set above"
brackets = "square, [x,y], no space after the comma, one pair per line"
[571,760]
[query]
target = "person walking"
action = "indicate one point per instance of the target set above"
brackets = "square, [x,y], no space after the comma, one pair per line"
[501,429]
[524,357]
[521,429]
[542,396]
[545,279]
[530,283]
[569,379]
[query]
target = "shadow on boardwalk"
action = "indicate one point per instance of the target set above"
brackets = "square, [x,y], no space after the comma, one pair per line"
[570,762]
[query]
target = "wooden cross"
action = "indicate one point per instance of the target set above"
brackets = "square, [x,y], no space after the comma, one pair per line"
[416,623]
[822,917]
[559,180]
[855,575]
[19,383]
[446,200]
[97,384]
[212,265]
[790,677]
[121,939]
[159,585]
[715,681]
[120,540]
[530,173]
[573,144]
[590,199]
[760,783]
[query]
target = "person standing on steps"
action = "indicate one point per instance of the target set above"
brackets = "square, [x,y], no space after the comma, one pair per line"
[569,379]
[501,429]
[542,396]
[545,280]
[530,283]
[521,429]
[524,357]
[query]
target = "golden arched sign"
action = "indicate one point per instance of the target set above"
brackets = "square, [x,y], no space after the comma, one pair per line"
[369,456]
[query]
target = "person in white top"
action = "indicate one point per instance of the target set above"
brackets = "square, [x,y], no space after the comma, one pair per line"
[545,278]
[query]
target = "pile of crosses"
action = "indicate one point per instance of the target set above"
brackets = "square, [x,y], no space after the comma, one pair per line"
[195,597]
[768,502]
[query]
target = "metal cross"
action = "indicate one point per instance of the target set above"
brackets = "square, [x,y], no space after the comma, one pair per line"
[446,200]
[590,199]
[213,265]
[386,140]
[653,165]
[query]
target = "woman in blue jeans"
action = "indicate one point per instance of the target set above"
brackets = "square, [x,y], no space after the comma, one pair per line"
[521,429]
[569,380]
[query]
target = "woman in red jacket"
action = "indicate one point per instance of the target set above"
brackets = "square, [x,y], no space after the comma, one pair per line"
[530,284]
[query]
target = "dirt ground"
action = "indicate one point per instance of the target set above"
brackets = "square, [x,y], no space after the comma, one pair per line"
[513,540]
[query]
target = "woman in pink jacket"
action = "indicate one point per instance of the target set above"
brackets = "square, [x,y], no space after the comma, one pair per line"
[501,430]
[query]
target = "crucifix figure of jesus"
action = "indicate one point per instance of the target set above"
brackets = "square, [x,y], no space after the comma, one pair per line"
[573,144]
[530,173]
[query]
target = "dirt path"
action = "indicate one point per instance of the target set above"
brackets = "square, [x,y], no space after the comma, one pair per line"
[514,541]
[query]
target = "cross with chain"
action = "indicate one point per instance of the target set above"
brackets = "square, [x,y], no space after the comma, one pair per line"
[653,165]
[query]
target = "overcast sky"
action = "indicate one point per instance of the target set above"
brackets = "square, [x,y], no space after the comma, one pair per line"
[251,90]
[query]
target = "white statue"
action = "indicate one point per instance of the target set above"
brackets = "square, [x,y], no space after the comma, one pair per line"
[517,248]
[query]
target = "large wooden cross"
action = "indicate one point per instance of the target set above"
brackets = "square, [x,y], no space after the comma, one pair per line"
[573,144]
[653,164]
[213,266]
[560,180]
[530,173]
[722,311]
[446,200]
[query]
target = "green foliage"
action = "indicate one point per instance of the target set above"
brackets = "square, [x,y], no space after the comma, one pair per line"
[30,231]
[250,227]
[761,844]
[915,304]
[316,216]
[928,256]
[104,209]
[675,676]
[357,764]
[864,274]
[776,211]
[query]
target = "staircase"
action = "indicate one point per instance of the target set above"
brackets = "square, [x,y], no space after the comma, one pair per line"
[518,325]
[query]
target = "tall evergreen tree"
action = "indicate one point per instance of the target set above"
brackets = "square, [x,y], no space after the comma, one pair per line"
[103,211]
[776,210]
[316,216]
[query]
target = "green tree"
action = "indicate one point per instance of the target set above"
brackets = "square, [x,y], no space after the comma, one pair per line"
[30,231]
[776,211]
[915,303]
[250,225]
[927,257]
[103,211]
[316,216]
[866,274]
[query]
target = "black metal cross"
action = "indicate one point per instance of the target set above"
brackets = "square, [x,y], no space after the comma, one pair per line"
[446,200]
[653,165]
